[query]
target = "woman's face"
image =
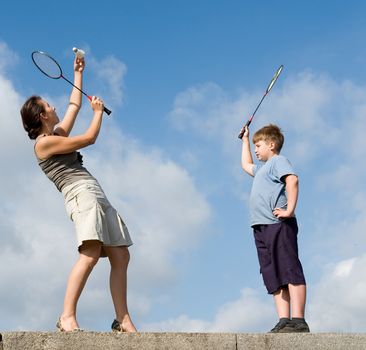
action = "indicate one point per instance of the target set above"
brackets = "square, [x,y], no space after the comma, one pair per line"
[50,112]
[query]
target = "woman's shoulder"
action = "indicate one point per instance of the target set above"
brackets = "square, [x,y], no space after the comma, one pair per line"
[38,143]
[43,142]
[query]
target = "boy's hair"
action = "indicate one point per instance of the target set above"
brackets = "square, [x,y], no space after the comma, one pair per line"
[270,133]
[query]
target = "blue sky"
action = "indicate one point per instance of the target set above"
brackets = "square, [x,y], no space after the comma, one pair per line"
[181,78]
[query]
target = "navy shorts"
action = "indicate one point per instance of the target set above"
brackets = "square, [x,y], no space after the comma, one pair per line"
[278,254]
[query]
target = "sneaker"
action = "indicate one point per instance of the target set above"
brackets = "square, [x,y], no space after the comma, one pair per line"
[295,327]
[282,323]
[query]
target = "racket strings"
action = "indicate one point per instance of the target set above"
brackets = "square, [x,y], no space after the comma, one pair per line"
[277,74]
[47,65]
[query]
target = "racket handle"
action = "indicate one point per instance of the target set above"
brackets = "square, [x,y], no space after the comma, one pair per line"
[108,111]
[240,136]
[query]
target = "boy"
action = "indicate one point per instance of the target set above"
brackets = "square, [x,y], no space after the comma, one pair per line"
[272,209]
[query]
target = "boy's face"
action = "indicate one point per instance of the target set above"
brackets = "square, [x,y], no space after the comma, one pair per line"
[264,150]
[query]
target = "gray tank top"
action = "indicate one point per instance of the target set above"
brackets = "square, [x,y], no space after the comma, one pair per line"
[64,169]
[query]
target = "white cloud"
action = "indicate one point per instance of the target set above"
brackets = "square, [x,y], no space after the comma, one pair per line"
[182,323]
[305,106]
[110,73]
[339,300]
[198,108]
[249,313]
[7,57]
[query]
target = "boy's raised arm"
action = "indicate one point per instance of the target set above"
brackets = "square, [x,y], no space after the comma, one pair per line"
[246,154]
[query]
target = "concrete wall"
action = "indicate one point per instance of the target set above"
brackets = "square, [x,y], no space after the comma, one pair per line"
[180,341]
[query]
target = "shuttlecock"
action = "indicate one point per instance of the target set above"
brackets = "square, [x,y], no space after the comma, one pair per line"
[78,52]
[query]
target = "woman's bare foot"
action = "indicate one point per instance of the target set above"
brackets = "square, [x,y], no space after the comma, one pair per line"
[125,326]
[67,324]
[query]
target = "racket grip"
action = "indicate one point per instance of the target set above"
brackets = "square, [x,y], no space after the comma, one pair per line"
[108,111]
[240,136]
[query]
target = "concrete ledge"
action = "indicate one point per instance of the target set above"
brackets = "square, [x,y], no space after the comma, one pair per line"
[112,341]
[180,341]
[298,341]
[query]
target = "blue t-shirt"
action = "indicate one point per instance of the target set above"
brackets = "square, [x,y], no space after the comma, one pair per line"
[268,190]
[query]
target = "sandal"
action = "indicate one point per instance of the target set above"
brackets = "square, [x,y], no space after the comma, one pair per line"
[62,329]
[117,327]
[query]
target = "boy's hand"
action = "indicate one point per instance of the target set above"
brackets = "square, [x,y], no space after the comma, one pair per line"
[282,213]
[245,129]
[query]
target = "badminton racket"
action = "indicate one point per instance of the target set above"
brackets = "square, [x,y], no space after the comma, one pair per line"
[270,86]
[49,67]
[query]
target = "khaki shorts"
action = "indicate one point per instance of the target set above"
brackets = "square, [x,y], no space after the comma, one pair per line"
[93,215]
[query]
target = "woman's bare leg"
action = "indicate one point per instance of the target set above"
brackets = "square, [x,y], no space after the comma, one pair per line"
[88,257]
[119,258]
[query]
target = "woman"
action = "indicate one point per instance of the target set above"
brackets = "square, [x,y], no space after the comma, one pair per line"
[100,230]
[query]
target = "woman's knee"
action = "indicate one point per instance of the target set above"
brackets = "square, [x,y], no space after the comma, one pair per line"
[90,252]
[125,254]
[89,261]
[119,257]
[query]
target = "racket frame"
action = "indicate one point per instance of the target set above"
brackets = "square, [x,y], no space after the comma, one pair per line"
[269,87]
[106,110]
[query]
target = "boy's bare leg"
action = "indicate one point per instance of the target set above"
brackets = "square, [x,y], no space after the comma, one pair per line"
[282,301]
[297,294]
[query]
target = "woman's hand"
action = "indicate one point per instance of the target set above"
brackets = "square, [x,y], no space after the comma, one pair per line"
[97,104]
[79,64]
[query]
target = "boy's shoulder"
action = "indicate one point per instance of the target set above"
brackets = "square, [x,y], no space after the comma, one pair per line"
[278,165]
[276,162]
[283,166]
[279,158]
